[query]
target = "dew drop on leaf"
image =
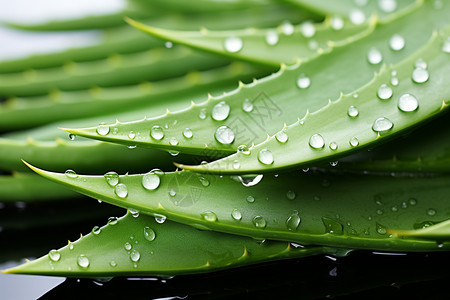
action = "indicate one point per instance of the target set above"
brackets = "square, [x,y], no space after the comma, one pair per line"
[149,234]
[303,81]
[316,141]
[357,16]
[236,164]
[307,29]
[382,124]
[397,42]
[236,215]
[420,63]
[102,129]
[233,44]
[374,56]
[407,103]
[333,146]
[247,106]
[446,46]
[337,23]
[272,37]
[187,133]
[113,264]
[384,92]
[157,133]
[83,261]
[121,190]
[381,229]
[160,218]
[332,226]
[293,221]
[265,157]
[204,181]
[259,222]
[209,216]
[112,220]
[287,28]
[150,181]
[250,199]
[131,135]
[112,178]
[220,111]
[431,212]
[243,149]
[387,6]
[224,135]
[96,230]
[281,137]
[135,256]
[202,114]
[420,75]
[352,112]
[71,174]
[290,195]
[54,255]
[354,141]
[250,180]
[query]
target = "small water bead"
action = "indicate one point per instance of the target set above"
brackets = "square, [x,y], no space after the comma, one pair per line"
[333,146]
[446,46]
[334,163]
[313,44]
[382,125]
[293,221]
[412,201]
[303,81]
[96,230]
[220,111]
[354,141]
[83,261]
[151,181]
[149,234]
[394,81]
[337,23]
[121,190]
[287,28]
[384,92]
[112,178]
[204,181]
[265,157]
[173,141]
[247,106]
[172,193]
[113,264]
[420,75]
[259,222]
[233,44]
[135,256]
[387,6]
[71,136]
[115,131]
[209,216]
[134,212]
[102,129]
[407,103]
[127,246]
[236,164]
[420,63]
[355,96]
[112,220]
[397,42]
[131,147]
[394,208]
[374,56]
[250,199]
[308,30]
[357,16]
[54,255]
[202,114]
[70,246]
[71,174]
[236,215]
[282,137]
[244,149]
[157,133]
[168,44]
[332,226]
[352,112]
[272,38]
[224,135]
[250,180]
[131,135]
[160,218]
[316,141]
[431,212]
[290,195]
[381,229]
[379,212]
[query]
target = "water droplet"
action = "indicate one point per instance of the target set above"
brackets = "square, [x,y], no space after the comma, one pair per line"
[131,135]
[134,212]
[150,181]
[112,178]
[357,16]
[127,246]
[157,133]
[352,112]
[316,141]
[135,256]
[259,222]
[250,180]
[420,63]
[272,37]
[149,234]
[374,56]
[121,190]
[446,46]
[394,81]
[168,44]
[281,137]
[265,157]
[387,6]
[236,215]
[247,106]
[332,226]
[431,212]
[355,95]
[293,221]
[243,149]
[71,136]
[394,208]
[303,81]
[420,75]
[354,141]
[160,218]
[71,174]
[397,42]
[102,129]
[172,193]
[83,261]
[337,23]
[290,195]
[202,114]
[313,44]
[187,133]
[236,164]
[54,255]
[384,92]
[308,30]
[333,146]
[334,163]
[113,264]
[112,220]
[381,229]
[209,216]
[96,230]
[250,199]
[287,28]
[70,246]
[407,103]
[233,44]
[204,181]
[382,125]
[115,131]
[173,141]
[224,135]
[412,201]
[379,212]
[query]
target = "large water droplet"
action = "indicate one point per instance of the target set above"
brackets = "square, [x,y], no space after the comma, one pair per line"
[293,221]
[259,222]
[382,125]
[157,133]
[316,141]
[287,28]
[357,16]
[290,195]
[303,81]
[407,103]
[224,135]
[397,42]
[352,112]
[71,174]
[308,30]
[121,190]
[112,220]
[160,218]
[127,246]
[71,136]
[446,46]
[209,216]
[420,75]
[384,92]
[236,215]
[187,133]
[220,111]
[387,6]
[112,178]
[272,37]
[102,129]
[233,44]
[250,180]
[332,226]
[281,137]
[250,199]
[134,212]
[54,255]
[247,106]
[135,255]
[243,149]
[150,181]
[83,261]
[96,230]
[265,157]
[354,141]
[374,56]
[149,234]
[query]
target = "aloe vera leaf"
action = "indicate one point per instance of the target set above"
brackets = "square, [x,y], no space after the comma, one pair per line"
[359,209]
[30,188]
[20,113]
[155,64]
[332,131]
[385,10]
[285,44]
[126,39]
[156,249]
[275,99]
[436,232]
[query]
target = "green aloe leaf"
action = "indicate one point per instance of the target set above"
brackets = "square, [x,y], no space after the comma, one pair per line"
[359,209]
[285,44]
[436,232]
[261,108]
[142,246]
